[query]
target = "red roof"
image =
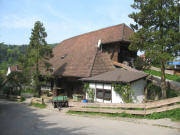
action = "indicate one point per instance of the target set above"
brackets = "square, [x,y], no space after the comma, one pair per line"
[76,56]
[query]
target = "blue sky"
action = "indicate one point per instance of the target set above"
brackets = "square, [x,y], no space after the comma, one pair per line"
[62,18]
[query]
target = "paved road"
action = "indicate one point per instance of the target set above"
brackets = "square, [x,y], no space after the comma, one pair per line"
[19,119]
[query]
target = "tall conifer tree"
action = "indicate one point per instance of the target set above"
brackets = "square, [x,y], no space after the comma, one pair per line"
[38,53]
[156,32]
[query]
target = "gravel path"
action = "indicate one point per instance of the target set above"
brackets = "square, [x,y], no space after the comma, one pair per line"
[19,119]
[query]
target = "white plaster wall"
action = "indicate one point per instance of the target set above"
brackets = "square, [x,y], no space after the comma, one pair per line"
[138,88]
[116,98]
[92,85]
[99,85]
[107,86]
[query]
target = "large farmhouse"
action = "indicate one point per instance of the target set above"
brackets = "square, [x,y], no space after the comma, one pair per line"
[90,54]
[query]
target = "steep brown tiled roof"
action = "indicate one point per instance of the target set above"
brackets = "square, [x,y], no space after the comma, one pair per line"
[102,63]
[117,75]
[76,56]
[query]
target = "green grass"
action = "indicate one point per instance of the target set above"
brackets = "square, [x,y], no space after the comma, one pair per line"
[172,114]
[22,99]
[168,76]
[38,105]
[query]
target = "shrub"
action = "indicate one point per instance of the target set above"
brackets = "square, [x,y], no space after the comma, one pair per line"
[154,92]
[125,91]
[89,91]
[172,93]
[22,99]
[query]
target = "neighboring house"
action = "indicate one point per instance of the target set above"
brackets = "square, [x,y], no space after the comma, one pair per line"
[90,54]
[13,69]
[10,85]
[142,56]
[46,86]
[175,63]
[103,85]
[174,67]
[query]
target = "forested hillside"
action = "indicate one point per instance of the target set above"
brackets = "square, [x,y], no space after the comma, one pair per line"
[9,55]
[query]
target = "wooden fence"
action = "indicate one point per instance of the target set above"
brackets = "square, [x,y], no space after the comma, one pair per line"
[140,109]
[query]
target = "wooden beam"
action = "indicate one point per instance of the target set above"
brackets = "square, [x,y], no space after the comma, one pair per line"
[124,66]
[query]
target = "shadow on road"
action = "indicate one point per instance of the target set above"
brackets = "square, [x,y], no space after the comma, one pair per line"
[19,119]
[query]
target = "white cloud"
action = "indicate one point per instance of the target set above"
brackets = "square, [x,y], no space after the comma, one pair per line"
[15,22]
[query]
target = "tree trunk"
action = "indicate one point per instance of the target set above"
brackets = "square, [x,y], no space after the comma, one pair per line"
[38,87]
[145,94]
[163,81]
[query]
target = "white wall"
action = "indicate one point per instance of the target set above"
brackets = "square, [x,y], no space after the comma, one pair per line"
[116,98]
[137,87]
[138,90]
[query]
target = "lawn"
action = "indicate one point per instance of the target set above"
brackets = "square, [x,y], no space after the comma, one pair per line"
[168,76]
[38,105]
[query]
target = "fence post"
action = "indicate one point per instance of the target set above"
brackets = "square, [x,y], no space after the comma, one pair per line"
[144,109]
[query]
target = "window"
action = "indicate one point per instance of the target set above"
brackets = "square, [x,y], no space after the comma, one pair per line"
[99,93]
[107,95]
[103,94]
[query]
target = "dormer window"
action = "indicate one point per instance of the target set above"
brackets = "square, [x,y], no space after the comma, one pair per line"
[52,70]
[62,57]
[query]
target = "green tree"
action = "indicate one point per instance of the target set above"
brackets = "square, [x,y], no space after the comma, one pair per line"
[141,63]
[26,67]
[2,77]
[13,83]
[156,31]
[38,53]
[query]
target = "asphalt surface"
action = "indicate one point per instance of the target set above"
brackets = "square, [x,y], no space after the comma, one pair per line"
[19,119]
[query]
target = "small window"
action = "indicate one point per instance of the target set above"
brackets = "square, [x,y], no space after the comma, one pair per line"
[103,94]
[99,94]
[62,57]
[107,95]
